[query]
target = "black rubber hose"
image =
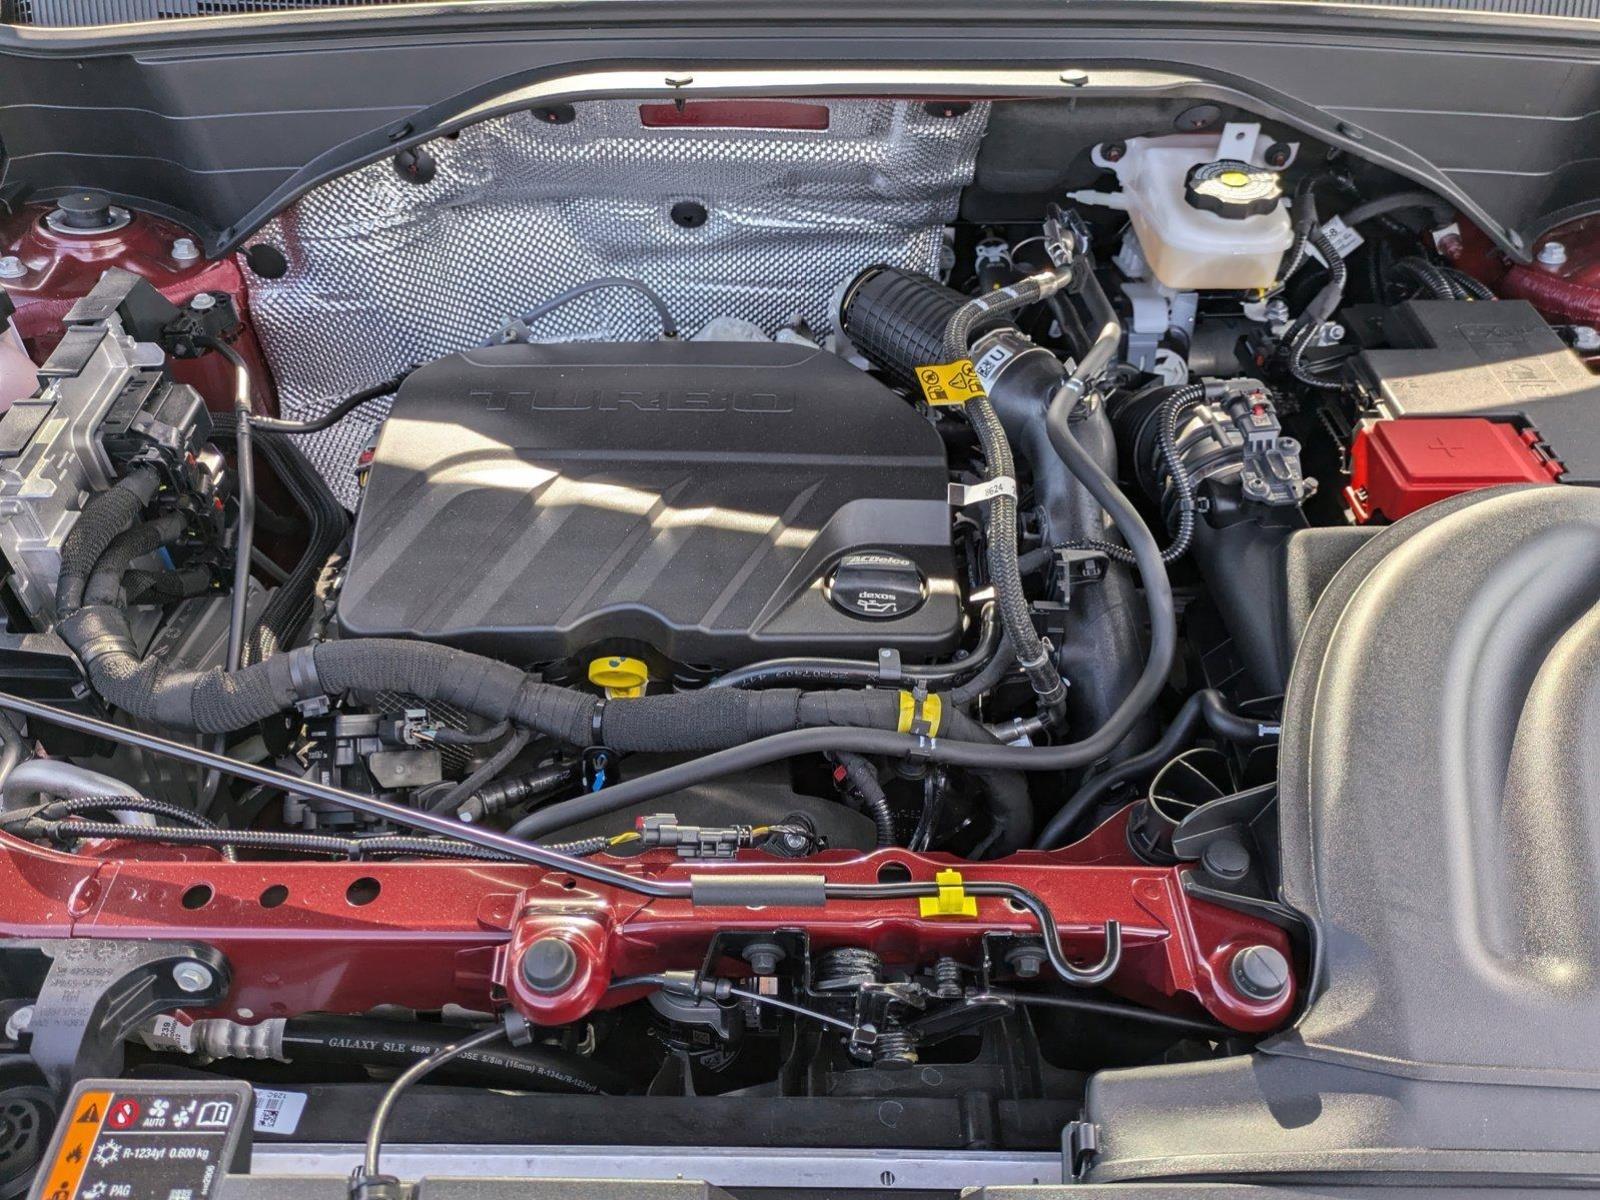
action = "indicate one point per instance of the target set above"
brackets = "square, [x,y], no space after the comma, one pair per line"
[287,610]
[846,672]
[986,680]
[366,1181]
[486,773]
[335,414]
[366,1042]
[165,587]
[863,777]
[1204,706]
[105,515]
[105,583]
[1396,202]
[1016,614]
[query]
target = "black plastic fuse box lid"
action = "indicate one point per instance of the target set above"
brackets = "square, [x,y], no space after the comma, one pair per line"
[1497,359]
[542,502]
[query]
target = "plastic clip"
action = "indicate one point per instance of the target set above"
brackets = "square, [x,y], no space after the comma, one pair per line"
[952,900]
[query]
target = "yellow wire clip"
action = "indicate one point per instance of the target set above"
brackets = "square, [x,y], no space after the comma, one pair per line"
[952,900]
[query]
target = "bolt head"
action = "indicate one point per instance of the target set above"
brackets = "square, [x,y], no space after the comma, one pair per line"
[184,249]
[203,302]
[1075,77]
[1553,254]
[12,267]
[192,977]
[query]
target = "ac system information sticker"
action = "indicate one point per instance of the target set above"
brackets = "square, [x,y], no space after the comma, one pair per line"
[146,1141]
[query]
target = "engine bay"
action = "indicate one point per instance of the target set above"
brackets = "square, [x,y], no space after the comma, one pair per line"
[798,627]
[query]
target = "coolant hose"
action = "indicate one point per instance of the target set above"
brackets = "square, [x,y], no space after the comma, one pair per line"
[54,777]
[219,701]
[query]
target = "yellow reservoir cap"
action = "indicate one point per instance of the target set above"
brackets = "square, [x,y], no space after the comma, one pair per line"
[1234,178]
[622,678]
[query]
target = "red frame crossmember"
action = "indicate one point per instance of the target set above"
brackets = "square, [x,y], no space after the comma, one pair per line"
[345,937]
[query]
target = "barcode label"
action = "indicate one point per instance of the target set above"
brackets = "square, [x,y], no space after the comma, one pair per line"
[278,1112]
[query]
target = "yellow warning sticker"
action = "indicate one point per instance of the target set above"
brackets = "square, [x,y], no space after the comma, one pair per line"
[76,1144]
[950,383]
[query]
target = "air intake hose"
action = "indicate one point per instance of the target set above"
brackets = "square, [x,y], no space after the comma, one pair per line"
[898,319]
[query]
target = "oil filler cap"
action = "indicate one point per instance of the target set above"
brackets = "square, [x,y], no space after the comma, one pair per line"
[1233,189]
[877,586]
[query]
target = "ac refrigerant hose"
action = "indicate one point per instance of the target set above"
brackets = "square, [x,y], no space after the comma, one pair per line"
[367,1042]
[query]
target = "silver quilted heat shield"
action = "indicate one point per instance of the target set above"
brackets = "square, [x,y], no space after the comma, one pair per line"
[384,272]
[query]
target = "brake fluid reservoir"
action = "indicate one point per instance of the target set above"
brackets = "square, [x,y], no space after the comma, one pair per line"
[1208,211]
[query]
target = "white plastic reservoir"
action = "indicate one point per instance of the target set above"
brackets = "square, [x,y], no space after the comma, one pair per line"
[1208,210]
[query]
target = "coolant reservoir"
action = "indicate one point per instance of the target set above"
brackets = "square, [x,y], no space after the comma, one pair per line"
[1208,211]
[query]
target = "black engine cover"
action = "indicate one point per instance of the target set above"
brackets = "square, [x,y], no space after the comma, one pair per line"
[543,502]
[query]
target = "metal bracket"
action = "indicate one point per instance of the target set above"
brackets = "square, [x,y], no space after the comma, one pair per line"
[97,990]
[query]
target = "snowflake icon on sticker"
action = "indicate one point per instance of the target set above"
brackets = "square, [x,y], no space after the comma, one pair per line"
[107,1154]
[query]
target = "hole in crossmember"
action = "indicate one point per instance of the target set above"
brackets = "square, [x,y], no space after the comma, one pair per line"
[274,896]
[894,872]
[363,891]
[198,896]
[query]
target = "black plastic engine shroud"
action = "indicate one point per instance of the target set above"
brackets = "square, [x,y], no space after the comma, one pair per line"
[542,502]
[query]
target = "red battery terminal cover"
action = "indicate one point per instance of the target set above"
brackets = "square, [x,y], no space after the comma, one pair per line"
[1399,466]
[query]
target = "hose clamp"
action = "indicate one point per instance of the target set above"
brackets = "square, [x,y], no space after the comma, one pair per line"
[303,677]
[597,719]
[965,495]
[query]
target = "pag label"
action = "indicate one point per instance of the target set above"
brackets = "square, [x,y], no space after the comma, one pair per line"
[950,383]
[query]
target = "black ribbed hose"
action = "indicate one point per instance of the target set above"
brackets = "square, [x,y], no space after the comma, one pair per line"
[105,515]
[105,583]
